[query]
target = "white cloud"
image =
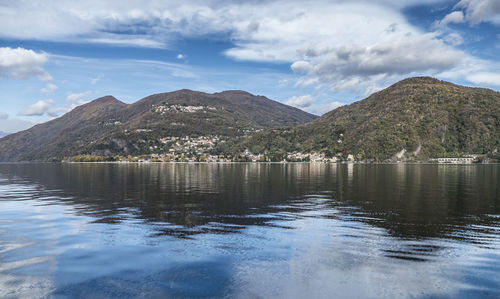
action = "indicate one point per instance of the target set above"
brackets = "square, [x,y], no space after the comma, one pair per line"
[149,23]
[94,81]
[180,56]
[453,17]
[300,101]
[321,109]
[361,68]
[12,125]
[454,39]
[485,78]
[301,66]
[55,112]
[49,88]
[3,115]
[333,105]
[474,70]
[127,42]
[39,108]
[292,31]
[282,83]
[478,11]
[73,100]
[356,45]
[350,46]
[22,64]
[77,99]
[153,23]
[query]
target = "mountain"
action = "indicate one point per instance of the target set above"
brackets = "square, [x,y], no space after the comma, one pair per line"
[107,126]
[61,136]
[2,134]
[415,119]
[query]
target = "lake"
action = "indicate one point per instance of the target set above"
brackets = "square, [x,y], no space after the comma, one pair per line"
[249,230]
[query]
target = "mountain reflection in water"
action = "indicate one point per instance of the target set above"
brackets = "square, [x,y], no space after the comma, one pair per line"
[244,230]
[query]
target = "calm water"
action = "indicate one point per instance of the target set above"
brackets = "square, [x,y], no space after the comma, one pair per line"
[249,230]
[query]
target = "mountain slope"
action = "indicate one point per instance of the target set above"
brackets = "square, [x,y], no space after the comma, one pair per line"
[241,109]
[182,113]
[61,136]
[421,116]
[107,126]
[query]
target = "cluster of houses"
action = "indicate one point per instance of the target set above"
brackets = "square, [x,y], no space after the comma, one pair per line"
[203,156]
[295,157]
[194,145]
[462,160]
[200,149]
[162,109]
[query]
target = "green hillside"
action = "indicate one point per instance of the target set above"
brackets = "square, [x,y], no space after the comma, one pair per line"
[421,117]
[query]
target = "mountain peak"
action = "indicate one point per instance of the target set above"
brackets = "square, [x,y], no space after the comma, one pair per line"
[421,80]
[185,90]
[107,100]
[235,92]
[101,103]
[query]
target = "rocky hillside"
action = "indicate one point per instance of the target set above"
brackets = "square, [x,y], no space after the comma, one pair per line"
[414,119]
[107,126]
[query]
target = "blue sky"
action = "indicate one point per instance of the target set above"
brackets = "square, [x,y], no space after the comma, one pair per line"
[314,55]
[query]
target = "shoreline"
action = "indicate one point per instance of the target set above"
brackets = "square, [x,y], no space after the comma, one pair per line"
[230,162]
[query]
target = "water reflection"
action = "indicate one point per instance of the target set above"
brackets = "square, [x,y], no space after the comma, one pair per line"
[229,229]
[410,201]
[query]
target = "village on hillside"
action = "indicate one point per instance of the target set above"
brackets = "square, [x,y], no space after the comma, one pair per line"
[203,149]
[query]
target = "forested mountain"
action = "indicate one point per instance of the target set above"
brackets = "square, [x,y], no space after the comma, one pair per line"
[107,126]
[416,118]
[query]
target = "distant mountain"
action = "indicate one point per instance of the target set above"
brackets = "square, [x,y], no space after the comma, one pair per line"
[107,126]
[2,134]
[416,118]
[61,136]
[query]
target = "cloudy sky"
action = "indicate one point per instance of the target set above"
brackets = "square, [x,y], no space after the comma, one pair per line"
[313,55]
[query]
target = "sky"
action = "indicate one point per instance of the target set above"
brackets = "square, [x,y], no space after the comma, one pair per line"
[314,55]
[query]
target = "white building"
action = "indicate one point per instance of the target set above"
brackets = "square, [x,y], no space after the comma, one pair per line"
[466,160]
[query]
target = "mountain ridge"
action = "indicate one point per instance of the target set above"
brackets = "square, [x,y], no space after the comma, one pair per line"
[436,117]
[414,119]
[109,126]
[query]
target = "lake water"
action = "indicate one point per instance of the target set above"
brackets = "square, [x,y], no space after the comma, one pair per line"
[249,230]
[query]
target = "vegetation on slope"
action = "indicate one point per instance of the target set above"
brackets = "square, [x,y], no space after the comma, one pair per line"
[421,117]
[60,137]
[414,119]
[109,127]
